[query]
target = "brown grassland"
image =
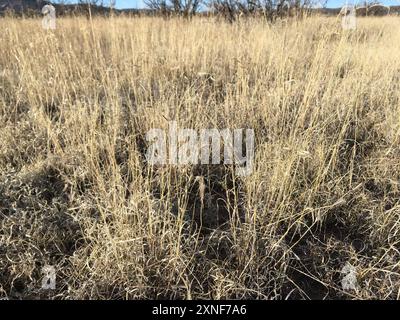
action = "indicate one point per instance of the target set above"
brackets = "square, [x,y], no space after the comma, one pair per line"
[76,192]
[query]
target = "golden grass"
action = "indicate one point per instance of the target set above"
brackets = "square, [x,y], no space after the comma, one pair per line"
[76,192]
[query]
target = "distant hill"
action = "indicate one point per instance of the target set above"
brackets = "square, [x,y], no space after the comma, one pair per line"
[33,7]
[335,11]
[21,5]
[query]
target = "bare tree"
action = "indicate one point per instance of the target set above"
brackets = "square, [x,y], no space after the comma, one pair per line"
[185,8]
[159,6]
[226,8]
[270,9]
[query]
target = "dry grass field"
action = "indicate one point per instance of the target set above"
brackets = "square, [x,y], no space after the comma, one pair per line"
[76,191]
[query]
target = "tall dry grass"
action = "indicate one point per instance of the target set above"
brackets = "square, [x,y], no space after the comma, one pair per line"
[77,193]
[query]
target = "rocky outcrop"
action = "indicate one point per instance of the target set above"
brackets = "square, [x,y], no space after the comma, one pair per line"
[378,10]
[361,11]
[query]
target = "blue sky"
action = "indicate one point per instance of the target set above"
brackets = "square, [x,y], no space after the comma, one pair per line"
[129,3]
[331,3]
[339,3]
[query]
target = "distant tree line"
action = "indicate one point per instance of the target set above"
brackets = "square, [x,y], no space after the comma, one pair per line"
[232,9]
